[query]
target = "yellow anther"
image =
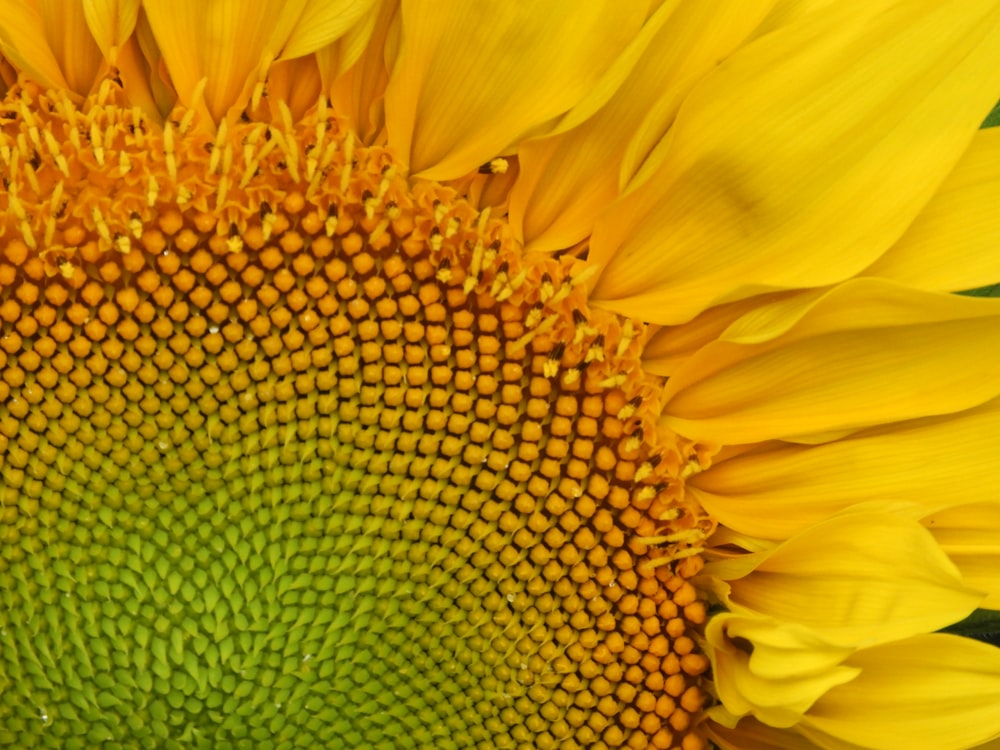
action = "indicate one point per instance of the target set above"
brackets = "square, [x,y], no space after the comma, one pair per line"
[124,164]
[97,143]
[475,265]
[594,354]
[387,177]
[626,412]
[122,243]
[370,205]
[184,195]
[583,276]
[16,207]
[498,166]
[380,229]
[644,471]
[440,211]
[135,226]
[185,124]
[29,236]
[646,494]
[100,224]
[672,556]
[499,282]
[583,332]
[628,335]
[686,536]
[267,224]
[632,443]
[521,344]
[168,150]
[138,130]
[50,231]
[690,469]
[32,177]
[615,381]
[152,190]
[257,95]
[533,317]
[345,175]
[222,191]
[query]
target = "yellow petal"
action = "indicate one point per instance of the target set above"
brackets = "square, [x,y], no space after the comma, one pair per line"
[970,535]
[856,580]
[867,352]
[231,45]
[322,22]
[356,78]
[771,669]
[929,692]
[49,41]
[670,346]
[473,78]
[774,492]
[803,158]
[953,243]
[296,82]
[111,22]
[568,177]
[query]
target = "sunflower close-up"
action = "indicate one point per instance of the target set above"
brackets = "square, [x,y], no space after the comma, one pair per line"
[535,375]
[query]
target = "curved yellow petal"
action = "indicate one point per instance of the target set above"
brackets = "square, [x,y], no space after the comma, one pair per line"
[865,353]
[473,78]
[953,243]
[759,185]
[357,86]
[970,535]
[111,22]
[770,669]
[670,346]
[321,22]
[856,580]
[297,83]
[231,45]
[779,490]
[50,42]
[567,178]
[929,692]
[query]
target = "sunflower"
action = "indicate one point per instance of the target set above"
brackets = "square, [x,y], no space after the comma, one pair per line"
[499,375]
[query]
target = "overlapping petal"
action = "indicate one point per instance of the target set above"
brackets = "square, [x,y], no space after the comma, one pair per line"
[856,580]
[472,79]
[929,692]
[230,50]
[952,244]
[799,162]
[868,352]
[970,535]
[51,43]
[567,178]
[781,488]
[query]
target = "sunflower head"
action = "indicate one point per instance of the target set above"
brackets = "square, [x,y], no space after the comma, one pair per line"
[388,374]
